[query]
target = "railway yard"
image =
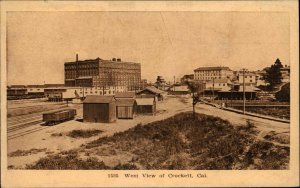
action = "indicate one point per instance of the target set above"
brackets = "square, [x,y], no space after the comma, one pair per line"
[29,139]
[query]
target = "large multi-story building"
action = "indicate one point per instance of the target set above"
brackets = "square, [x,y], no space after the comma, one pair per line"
[209,73]
[102,73]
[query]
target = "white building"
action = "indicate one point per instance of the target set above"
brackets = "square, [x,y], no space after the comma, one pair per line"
[79,92]
[250,78]
[285,74]
[208,73]
[218,85]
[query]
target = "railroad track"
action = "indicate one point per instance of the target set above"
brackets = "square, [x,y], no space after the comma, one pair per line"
[11,123]
[33,106]
[16,124]
[10,137]
[25,125]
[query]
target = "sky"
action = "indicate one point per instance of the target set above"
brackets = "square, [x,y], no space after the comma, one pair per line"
[164,43]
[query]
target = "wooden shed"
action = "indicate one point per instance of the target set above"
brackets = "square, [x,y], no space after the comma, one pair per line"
[97,108]
[145,106]
[125,108]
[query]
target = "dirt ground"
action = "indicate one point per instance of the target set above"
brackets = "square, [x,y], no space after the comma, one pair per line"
[54,139]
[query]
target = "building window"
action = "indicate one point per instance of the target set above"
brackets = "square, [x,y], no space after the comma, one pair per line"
[250,80]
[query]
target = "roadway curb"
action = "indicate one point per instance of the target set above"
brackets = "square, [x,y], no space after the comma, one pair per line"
[247,113]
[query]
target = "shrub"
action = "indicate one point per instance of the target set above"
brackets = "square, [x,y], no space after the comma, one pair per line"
[67,162]
[284,94]
[83,133]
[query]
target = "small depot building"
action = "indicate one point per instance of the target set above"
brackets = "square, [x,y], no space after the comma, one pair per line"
[99,109]
[125,108]
[145,105]
[151,91]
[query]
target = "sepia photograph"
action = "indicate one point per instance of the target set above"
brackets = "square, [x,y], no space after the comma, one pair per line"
[148,90]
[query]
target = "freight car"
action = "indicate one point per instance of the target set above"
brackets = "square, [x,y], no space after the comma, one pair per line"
[56,117]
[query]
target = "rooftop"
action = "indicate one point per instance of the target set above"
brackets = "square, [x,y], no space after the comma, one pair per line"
[125,102]
[98,99]
[153,90]
[125,94]
[211,68]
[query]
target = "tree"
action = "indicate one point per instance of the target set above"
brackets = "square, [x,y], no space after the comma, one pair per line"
[273,74]
[194,89]
[284,94]
[159,81]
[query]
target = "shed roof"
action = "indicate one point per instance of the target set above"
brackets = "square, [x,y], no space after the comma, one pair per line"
[152,89]
[144,101]
[98,99]
[125,94]
[125,102]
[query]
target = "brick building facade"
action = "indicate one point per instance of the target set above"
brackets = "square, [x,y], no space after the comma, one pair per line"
[99,73]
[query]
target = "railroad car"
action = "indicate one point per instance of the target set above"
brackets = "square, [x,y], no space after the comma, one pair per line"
[56,117]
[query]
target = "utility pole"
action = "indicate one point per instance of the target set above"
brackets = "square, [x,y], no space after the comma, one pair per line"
[213,91]
[244,98]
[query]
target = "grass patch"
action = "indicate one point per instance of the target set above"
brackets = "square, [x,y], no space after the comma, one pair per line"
[182,142]
[178,143]
[84,133]
[19,153]
[70,160]
[67,162]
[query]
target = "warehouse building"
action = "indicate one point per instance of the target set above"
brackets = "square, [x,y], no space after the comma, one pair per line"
[98,73]
[125,108]
[98,108]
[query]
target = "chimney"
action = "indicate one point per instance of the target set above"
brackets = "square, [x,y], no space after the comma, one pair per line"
[76,57]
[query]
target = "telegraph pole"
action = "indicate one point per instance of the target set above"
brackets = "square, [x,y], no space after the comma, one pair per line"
[244,98]
[213,91]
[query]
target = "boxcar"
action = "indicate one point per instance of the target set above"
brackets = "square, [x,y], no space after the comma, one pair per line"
[58,116]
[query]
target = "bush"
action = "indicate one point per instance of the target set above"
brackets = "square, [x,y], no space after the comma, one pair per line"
[68,162]
[83,133]
[284,94]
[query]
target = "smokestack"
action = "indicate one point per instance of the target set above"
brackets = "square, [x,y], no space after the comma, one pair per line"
[76,57]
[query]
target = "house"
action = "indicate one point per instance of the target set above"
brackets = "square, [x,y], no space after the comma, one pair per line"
[152,91]
[249,77]
[285,74]
[125,108]
[145,105]
[97,108]
[218,84]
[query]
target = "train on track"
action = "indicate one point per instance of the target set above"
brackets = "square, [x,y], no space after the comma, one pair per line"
[52,118]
